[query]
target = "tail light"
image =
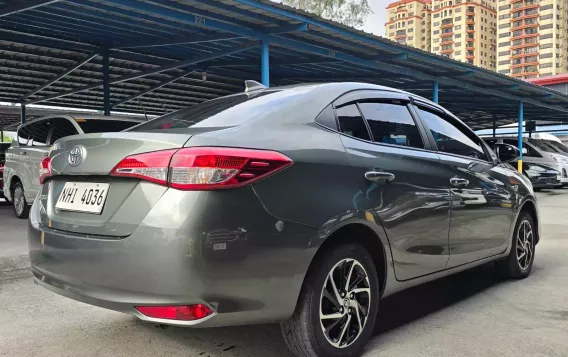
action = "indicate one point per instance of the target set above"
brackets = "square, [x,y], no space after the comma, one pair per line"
[181,313]
[203,168]
[44,169]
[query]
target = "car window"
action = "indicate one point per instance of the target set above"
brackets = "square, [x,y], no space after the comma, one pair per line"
[544,146]
[226,111]
[449,138]
[559,146]
[351,122]
[38,133]
[62,127]
[23,135]
[391,124]
[104,125]
[530,150]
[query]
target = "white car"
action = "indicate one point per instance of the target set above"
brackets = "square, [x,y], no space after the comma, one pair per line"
[32,144]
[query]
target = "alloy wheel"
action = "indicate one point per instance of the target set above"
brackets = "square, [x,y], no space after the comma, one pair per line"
[344,303]
[19,200]
[525,245]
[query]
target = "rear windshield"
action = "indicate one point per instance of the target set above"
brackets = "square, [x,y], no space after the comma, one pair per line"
[226,111]
[104,125]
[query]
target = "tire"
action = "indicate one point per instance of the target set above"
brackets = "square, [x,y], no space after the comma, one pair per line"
[19,203]
[304,333]
[514,267]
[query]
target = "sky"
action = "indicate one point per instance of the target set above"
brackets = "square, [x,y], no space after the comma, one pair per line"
[375,23]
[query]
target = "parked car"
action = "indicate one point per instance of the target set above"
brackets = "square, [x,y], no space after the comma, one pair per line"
[540,152]
[3,148]
[33,143]
[542,176]
[304,204]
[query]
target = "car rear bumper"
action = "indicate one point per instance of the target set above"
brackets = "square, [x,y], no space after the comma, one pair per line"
[256,278]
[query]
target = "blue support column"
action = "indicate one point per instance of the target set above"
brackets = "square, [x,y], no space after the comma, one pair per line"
[106,81]
[265,64]
[520,138]
[435,92]
[22,114]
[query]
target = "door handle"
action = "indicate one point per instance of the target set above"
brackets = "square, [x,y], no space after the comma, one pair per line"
[379,176]
[459,182]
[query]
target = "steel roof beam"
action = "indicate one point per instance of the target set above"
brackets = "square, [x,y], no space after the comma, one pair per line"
[168,67]
[73,67]
[206,38]
[159,85]
[23,6]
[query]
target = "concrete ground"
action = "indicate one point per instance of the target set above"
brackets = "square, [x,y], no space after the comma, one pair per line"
[469,314]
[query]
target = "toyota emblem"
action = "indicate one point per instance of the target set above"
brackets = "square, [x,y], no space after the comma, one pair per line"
[76,155]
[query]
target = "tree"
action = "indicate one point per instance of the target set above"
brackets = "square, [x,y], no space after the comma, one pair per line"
[348,12]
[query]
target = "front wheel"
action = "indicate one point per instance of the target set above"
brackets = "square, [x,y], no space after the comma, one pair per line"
[519,262]
[337,308]
[21,208]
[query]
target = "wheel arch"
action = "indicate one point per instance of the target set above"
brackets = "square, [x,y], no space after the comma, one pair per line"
[363,234]
[530,207]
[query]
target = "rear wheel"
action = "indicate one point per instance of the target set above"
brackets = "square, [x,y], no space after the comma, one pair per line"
[21,208]
[338,305]
[519,262]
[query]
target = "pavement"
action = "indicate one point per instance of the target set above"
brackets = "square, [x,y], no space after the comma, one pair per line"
[469,314]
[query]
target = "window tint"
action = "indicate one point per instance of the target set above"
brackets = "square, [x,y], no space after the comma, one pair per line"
[228,111]
[558,146]
[38,133]
[544,146]
[103,125]
[327,118]
[23,135]
[391,124]
[351,122]
[449,138]
[530,150]
[62,127]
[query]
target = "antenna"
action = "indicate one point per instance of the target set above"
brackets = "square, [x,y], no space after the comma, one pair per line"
[253,86]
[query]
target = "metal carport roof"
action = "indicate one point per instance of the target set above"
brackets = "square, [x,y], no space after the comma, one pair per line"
[163,55]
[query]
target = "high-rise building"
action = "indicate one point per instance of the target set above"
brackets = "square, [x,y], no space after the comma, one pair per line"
[465,31]
[532,38]
[408,22]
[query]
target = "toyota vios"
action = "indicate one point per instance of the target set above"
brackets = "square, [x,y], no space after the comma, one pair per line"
[303,205]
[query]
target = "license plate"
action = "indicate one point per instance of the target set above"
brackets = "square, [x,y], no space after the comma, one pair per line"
[88,197]
[220,246]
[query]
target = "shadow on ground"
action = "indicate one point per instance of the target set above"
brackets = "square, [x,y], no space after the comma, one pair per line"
[394,312]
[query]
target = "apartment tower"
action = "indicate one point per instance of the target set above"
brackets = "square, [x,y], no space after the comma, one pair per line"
[408,23]
[465,31]
[532,38]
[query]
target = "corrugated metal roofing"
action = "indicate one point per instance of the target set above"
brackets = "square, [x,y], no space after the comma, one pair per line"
[212,46]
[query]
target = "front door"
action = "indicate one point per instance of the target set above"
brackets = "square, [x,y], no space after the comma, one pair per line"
[402,181]
[481,194]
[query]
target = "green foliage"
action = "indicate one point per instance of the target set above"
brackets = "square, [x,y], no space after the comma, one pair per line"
[6,139]
[348,12]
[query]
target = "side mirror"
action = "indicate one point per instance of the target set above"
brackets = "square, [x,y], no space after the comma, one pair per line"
[506,152]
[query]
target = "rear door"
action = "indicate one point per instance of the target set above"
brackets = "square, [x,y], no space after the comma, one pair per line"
[481,194]
[404,182]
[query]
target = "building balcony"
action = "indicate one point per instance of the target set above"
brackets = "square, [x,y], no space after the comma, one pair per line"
[526,7]
[400,36]
[524,45]
[524,17]
[445,26]
[469,22]
[470,57]
[449,42]
[445,34]
[469,13]
[521,55]
[470,48]
[525,35]
[444,52]
[470,39]
[514,1]
[470,31]
[524,26]
[522,74]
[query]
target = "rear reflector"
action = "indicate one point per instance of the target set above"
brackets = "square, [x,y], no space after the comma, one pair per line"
[180,313]
[44,169]
[203,168]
